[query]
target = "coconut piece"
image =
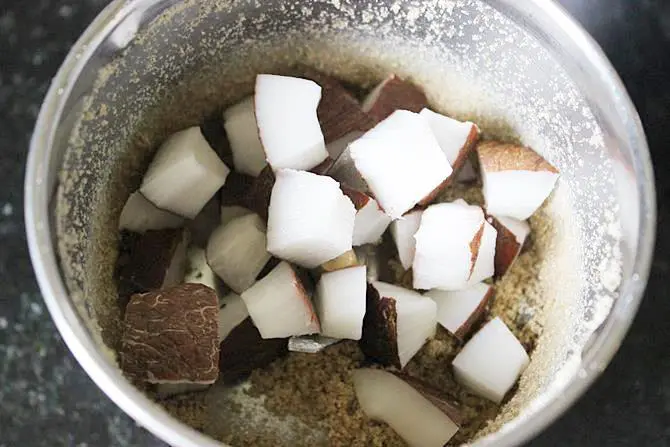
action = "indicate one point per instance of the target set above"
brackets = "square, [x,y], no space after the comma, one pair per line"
[310,344]
[393,94]
[516,179]
[230,213]
[512,234]
[139,215]
[197,269]
[237,251]
[458,311]
[339,111]
[287,121]
[403,231]
[397,323]
[310,220]
[484,266]
[279,305]
[447,246]
[232,312]
[345,260]
[153,260]
[244,350]
[164,390]
[204,224]
[344,169]
[242,131]
[446,402]
[491,362]
[340,303]
[409,411]
[171,336]
[257,197]
[456,138]
[184,174]
[371,221]
[401,162]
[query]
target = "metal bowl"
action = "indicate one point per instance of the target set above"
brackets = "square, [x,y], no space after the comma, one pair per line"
[518,67]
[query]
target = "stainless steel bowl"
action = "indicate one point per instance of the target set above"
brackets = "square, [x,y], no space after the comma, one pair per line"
[528,64]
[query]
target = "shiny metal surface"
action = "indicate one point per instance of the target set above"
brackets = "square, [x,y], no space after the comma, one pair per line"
[575,52]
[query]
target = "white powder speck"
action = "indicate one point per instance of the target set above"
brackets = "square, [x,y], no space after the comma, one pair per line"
[3,323]
[36,308]
[610,274]
[413,14]
[7,209]
[38,59]
[65,11]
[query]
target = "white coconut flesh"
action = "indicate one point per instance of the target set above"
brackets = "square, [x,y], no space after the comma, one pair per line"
[232,312]
[232,212]
[416,319]
[401,162]
[310,220]
[455,309]
[340,302]
[237,251]
[403,231]
[516,194]
[198,270]
[279,305]
[184,174]
[140,215]
[484,267]
[387,398]
[288,125]
[239,122]
[491,362]
[452,135]
[519,228]
[370,224]
[444,246]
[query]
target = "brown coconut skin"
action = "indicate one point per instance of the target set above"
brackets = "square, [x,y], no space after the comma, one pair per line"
[339,111]
[244,350]
[145,259]
[258,196]
[449,405]
[476,316]
[507,249]
[495,156]
[171,336]
[397,94]
[463,155]
[379,341]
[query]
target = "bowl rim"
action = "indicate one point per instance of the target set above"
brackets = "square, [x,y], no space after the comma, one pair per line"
[38,194]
